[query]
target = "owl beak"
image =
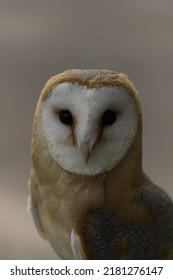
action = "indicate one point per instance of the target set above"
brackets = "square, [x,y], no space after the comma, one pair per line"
[85,151]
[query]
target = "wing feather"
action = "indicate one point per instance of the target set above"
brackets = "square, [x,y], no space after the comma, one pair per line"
[77,248]
[34,201]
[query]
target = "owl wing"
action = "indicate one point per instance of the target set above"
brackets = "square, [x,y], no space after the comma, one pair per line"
[34,202]
[146,233]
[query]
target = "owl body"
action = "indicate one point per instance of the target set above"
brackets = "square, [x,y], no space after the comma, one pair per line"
[89,196]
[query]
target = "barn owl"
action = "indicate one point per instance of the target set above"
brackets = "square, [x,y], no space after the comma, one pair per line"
[89,196]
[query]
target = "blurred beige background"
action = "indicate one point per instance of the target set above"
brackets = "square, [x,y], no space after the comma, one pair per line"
[41,38]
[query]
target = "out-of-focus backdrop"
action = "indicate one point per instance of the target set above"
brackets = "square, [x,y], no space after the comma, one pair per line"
[41,38]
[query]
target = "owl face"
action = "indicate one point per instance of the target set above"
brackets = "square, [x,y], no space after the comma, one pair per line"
[88,130]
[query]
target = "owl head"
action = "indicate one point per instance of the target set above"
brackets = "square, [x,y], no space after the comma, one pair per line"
[88,120]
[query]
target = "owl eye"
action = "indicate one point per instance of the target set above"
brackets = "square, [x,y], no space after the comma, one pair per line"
[109,117]
[66,117]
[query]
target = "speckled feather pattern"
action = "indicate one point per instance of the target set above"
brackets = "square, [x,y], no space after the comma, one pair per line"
[108,235]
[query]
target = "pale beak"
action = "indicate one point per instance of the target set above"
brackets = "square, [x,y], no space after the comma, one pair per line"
[85,147]
[85,151]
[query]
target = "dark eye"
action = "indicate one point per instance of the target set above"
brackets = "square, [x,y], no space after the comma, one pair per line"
[66,117]
[109,117]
